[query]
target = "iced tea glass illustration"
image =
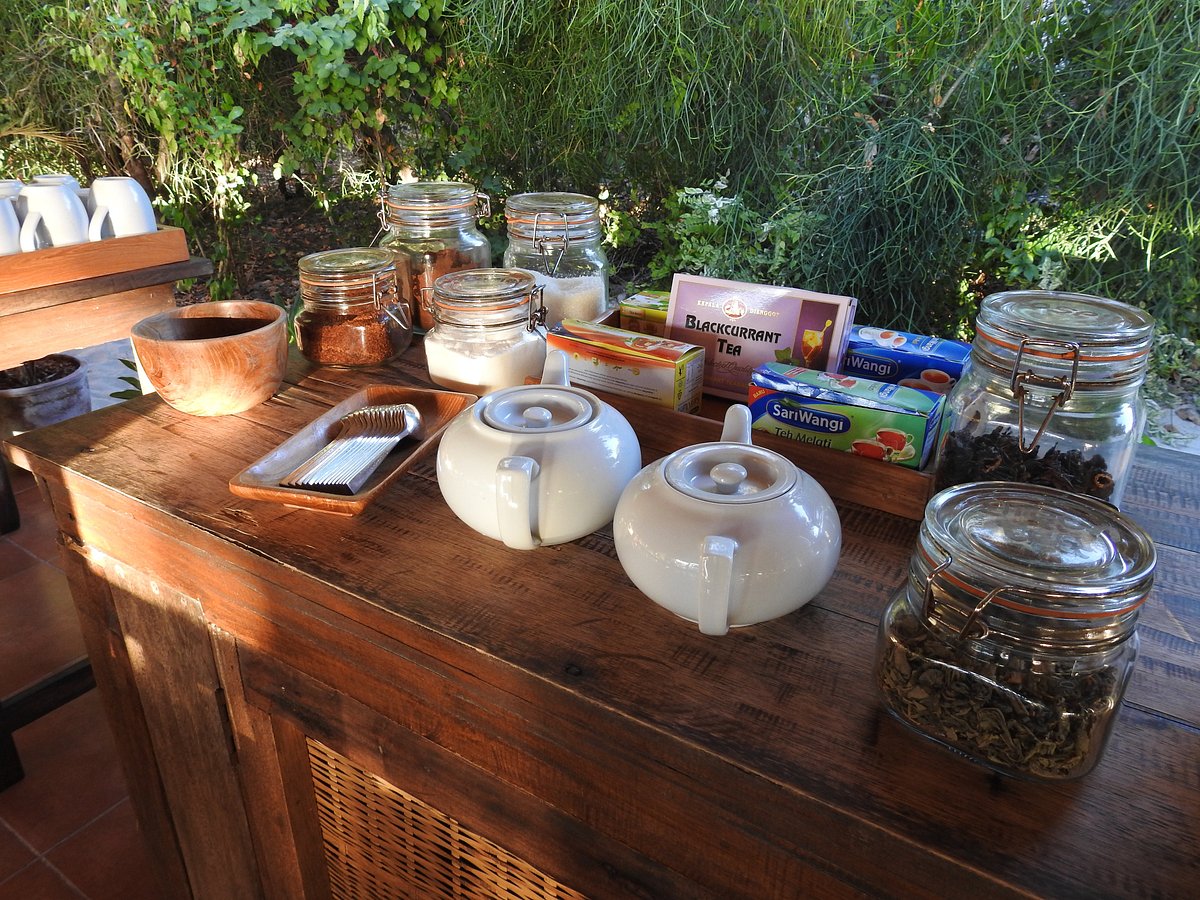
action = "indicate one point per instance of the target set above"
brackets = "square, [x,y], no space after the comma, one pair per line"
[812,342]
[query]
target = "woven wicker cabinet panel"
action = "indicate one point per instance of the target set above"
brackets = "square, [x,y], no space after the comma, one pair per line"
[381,842]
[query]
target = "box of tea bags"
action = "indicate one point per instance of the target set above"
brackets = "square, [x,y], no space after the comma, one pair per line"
[742,325]
[913,360]
[646,367]
[646,312]
[873,419]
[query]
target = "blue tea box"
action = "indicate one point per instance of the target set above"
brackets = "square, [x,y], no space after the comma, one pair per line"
[897,357]
[842,412]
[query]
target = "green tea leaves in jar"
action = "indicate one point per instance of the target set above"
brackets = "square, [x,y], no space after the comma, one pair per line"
[1014,637]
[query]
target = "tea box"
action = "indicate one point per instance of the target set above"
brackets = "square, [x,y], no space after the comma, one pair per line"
[897,357]
[742,325]
[873,419]
[645,312]
[646,367]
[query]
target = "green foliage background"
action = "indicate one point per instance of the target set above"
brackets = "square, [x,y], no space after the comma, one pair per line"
[915,154]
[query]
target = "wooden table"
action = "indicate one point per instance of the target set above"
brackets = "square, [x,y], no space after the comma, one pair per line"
[304,702]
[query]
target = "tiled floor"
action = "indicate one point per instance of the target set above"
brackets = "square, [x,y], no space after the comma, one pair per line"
[67,829]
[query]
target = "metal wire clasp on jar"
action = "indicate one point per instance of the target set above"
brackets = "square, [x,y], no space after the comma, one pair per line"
[1014,636]
[349,311]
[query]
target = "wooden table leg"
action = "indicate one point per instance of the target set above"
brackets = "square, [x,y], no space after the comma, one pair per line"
[31,704]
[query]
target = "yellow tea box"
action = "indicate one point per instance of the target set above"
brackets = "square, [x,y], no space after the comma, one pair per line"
[646,312]
[630,364]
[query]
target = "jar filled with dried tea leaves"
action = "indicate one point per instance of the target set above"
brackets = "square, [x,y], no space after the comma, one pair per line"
[1015,634]
[556,236]
[1050,394]
[349,311]
[489,331]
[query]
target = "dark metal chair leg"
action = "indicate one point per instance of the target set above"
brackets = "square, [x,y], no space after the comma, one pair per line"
[10,519]
[31,704]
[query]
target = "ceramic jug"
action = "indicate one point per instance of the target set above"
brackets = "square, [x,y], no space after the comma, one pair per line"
[52,215]
[118,207]
[10,228]
[537,464]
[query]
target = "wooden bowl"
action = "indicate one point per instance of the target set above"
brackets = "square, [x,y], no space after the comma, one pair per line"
[214,359]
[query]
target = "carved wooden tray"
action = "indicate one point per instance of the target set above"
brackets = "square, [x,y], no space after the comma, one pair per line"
[260,480]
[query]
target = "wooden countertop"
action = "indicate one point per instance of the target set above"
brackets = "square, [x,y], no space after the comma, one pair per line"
[777,726]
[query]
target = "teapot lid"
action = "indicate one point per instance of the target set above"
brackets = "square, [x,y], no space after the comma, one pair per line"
[540,408]
[729,473]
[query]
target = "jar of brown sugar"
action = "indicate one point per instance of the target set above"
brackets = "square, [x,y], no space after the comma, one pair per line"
[432,230]
[349,311]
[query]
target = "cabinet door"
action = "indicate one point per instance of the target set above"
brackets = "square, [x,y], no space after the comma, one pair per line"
[399,815]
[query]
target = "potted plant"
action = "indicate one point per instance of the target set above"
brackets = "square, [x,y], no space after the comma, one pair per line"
[41,392]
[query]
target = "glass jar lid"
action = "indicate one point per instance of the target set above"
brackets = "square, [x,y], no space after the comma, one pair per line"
[431,203]
[349,276]
[1091,340]
[485,296]
[729,473]
[553,216]
[1034,551]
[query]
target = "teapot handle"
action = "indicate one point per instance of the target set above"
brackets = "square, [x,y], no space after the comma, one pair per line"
[737,424]
[716,583]
[514,507]
[557,370]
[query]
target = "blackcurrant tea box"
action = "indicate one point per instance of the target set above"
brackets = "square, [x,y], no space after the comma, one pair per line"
[742,326]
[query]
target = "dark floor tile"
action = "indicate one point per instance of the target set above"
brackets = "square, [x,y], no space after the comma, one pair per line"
[72,774]
[14,558]
[14,854]
[37,533]
[38,882]
[108,860]
[40,628]
[20,480]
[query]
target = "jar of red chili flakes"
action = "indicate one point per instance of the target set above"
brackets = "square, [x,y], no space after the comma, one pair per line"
[350,312]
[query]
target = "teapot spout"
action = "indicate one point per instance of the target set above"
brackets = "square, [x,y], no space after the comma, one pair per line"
[556,371]
[737,424]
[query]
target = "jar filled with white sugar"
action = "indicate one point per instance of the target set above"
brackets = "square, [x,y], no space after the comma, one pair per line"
[556,236]
[487,331]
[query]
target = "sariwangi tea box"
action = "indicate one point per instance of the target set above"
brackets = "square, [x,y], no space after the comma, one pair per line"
[646,312]
[741,326]
[647,367]
[857,415]
[913,360]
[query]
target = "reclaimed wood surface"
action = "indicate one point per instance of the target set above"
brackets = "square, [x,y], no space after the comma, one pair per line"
[91,259]
[541,700]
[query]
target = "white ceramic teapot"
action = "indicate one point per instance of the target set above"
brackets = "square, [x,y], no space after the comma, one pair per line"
[537,464]
[727,534]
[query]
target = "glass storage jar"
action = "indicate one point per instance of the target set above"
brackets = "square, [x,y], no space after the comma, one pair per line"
[431,227]
[488,330]
[1050,394]
[1015,634]
[556,236]
[349,311]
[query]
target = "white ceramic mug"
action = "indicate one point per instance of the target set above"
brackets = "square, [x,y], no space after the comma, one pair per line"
[119,207]
[52,215]
[10,228]
[57,178]
[10,187]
